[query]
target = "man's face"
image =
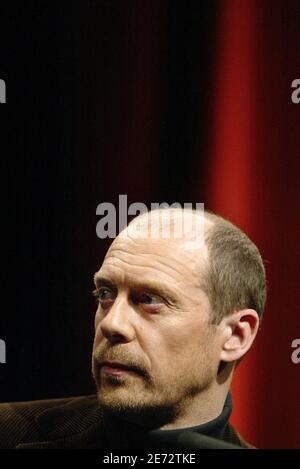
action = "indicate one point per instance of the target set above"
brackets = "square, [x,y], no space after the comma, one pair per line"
[152,316]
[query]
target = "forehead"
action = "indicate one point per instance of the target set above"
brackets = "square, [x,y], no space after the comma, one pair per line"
[140,260]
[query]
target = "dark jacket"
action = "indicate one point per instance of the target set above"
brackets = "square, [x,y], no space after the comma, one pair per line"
[67,423]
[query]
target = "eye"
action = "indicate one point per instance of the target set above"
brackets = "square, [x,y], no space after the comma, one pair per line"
[103,295]
[150,299]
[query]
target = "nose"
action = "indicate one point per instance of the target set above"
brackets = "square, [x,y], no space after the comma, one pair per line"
[117,323]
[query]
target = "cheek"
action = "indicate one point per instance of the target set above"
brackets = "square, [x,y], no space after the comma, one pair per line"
[98,336]
[96,342]
[182,335]
[97,320]
[165,347]
[186,345]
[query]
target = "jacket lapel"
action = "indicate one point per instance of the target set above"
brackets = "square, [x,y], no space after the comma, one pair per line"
[77,424]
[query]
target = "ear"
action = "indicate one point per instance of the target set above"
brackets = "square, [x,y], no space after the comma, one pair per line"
[239,330]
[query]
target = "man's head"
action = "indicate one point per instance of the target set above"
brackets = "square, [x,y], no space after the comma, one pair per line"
[158,314]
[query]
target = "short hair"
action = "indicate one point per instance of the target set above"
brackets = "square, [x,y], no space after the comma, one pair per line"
[234,277]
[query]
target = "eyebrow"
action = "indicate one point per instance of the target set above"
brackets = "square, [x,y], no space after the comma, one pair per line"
[150,286]
[101,280]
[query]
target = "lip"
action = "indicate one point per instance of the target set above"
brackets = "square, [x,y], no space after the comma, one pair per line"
[116,368]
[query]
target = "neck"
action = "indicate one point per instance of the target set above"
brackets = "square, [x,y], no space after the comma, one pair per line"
[207,406]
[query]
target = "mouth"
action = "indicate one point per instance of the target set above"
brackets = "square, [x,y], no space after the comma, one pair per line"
[117,369]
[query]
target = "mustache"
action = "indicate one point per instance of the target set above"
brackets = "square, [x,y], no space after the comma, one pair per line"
[118,355]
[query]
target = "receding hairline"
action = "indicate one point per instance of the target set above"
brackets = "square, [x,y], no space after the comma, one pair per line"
[174,213]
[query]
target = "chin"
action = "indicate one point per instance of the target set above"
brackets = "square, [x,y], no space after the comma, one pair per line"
[118,399]
[145,413]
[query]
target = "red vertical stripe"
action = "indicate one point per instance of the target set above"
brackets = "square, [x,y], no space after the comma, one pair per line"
[232,143]
[252,178]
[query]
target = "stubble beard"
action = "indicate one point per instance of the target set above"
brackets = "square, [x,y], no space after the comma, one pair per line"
[143,401]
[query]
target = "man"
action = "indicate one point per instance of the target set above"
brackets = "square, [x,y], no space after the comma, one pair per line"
[180,296]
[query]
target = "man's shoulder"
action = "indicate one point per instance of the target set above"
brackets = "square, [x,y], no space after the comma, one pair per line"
[22,422]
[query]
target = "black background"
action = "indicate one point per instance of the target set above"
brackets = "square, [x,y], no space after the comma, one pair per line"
[77,106]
